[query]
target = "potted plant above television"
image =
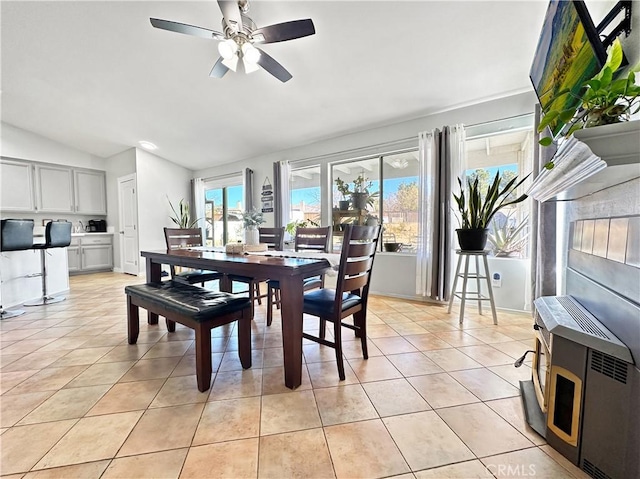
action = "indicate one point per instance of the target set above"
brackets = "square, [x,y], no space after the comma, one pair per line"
[343,189]
[601,100]
[477,208]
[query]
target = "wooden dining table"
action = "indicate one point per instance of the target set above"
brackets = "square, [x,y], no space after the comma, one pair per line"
[289,271]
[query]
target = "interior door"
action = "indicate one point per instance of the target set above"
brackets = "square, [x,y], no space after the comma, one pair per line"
[128,231]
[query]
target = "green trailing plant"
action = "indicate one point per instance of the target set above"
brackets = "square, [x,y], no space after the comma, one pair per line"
[477,209]
[506,240]
[181,216]
[292,226]
[600,100]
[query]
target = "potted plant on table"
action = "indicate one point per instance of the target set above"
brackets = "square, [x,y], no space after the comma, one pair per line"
[478,208]
[251,220]
[343,189]
[600,100]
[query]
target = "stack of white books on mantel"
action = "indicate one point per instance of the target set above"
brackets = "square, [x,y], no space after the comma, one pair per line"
[573,162]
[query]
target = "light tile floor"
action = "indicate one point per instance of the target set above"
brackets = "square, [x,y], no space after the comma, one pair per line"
[434,399]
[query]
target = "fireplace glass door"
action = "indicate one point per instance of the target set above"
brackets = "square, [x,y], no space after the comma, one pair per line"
[541,361]
[565,394]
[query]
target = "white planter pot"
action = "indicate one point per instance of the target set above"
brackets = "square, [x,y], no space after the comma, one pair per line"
[251,236]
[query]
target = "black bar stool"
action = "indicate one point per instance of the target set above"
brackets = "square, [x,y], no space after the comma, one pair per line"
[57,235]
[17,235]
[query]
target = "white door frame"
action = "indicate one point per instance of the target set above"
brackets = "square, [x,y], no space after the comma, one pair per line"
[121,226]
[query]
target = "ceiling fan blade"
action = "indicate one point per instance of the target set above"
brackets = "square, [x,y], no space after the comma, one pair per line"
[281,32]
[231,13]
[218,70]
[273,67]
[186,29]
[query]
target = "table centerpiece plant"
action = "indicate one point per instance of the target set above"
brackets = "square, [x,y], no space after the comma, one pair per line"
[477,209]
[251,220]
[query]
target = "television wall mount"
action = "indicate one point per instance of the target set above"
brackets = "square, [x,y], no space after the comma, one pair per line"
[623,26]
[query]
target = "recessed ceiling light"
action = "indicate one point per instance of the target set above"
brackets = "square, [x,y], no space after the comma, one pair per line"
[147,145]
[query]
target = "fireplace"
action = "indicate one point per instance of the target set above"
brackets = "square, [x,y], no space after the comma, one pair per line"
[582,389]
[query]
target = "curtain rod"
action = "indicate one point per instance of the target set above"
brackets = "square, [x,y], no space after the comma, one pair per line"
[222,177]
[354,151]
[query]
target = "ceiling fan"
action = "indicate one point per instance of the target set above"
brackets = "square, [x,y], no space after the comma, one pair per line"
[240,37]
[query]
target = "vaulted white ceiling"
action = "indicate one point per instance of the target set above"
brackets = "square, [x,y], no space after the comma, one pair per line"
[97,76]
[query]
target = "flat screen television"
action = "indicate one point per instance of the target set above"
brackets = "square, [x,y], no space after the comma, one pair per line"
[568,53]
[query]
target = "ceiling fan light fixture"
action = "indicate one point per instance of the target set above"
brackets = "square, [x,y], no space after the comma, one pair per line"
[227,48]
[231,63]
[250,67]
[250,54]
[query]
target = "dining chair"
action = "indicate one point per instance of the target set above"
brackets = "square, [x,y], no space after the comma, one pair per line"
[274,239]
[178,238]
[349,298]
[306,239]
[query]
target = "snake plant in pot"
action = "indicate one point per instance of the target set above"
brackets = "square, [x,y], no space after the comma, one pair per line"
[478,208]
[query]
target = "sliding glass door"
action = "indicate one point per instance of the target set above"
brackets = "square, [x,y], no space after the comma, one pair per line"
[223,213]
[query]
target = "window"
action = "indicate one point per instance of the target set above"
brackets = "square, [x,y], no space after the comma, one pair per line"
[382,189]
[305,200]
[507,154]
[223,212]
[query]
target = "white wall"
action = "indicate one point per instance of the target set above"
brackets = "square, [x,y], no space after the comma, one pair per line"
[26,145]
[117,165]
[394,274]
[157,178]
[483,112]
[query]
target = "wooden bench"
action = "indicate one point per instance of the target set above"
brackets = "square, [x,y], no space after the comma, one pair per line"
[196,308]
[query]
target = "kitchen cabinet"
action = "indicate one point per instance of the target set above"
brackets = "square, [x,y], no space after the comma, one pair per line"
[16,186]
[54,189]
[90,252]
[90,192]
[27,186]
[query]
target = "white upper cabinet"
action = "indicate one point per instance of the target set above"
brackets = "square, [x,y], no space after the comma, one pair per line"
[90,192]
[54,189]
[16,186]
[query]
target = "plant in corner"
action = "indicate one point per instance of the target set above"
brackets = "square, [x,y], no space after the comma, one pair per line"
[181,216]
[506,239]
[477,209]
[600,100]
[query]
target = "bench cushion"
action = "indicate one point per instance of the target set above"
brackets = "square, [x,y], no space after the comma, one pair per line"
[187,300]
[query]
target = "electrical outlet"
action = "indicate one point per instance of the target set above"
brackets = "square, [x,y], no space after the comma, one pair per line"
[496,280]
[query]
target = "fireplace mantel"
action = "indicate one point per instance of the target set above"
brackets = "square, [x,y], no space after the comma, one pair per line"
[618,145]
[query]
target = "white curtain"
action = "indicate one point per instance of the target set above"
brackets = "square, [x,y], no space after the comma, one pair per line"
[283,193]
[197,200]
[442,160]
